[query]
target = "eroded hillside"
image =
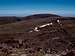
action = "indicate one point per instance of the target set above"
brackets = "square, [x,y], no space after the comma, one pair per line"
[49,32]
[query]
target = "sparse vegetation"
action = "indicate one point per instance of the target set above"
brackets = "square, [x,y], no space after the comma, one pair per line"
[58,36]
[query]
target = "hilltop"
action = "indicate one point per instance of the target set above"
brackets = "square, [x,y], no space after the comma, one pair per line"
[41,31]
[9,19]
[38,16]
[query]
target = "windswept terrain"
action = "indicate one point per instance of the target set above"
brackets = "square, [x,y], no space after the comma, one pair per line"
[40,30]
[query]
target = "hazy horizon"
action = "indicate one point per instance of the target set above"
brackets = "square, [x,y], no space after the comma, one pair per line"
[29,7]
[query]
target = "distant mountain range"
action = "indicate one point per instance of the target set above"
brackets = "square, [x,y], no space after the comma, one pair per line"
[12,19]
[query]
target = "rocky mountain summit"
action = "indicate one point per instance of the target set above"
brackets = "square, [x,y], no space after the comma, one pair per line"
[40,30]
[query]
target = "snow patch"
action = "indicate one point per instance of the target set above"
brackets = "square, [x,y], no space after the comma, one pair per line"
[36,29]
[45,25]
[58,21]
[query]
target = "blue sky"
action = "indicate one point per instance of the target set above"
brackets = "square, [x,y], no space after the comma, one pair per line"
[28,7]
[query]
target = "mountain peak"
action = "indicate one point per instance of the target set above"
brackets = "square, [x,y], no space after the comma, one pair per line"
[38,16]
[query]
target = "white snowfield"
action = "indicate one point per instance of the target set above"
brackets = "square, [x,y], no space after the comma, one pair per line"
[31,31]
[45,25]
[36,28]
[58,21]
[42,26]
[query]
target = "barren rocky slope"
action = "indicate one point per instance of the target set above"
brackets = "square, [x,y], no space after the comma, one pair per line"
[46,32]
